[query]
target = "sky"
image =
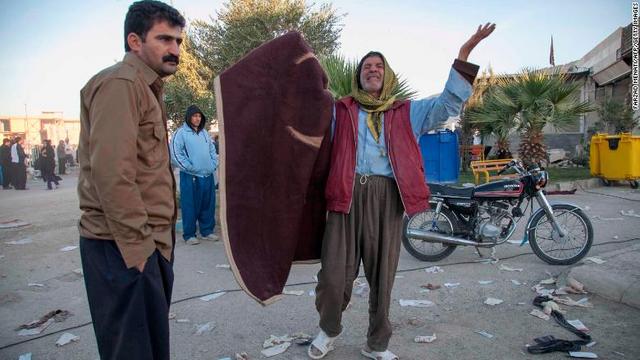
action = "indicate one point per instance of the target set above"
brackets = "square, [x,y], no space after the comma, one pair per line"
[53,47]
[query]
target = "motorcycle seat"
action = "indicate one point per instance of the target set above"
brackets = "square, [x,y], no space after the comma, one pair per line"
[451,191]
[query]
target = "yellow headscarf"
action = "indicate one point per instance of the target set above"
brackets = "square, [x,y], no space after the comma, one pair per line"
[375,106]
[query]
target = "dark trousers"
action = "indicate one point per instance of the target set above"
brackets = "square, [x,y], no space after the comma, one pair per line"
[129,308]
[6,176]
[19,176]
[371,234]
[62,166]
[197,204]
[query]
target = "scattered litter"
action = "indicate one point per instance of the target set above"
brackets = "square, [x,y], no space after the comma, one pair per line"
[26,356]
[360,288]
[583,355]
[591,344]
[431,286]
[549,281]
[596,260]
[212,296]
[242,356]
[516,282]
[183,321]
[484,333]
[425,339]
[78,271]
[629,213]
[20,242]
[521,303]
[414,321]
[293,292]
[37,326]
[68,248]
[399,276]
[578,325]
[587,208]
[223,266]
[434,270]
[608,219]
[539,314]
[584,302]
[618,353]
[616,237]
[200,272]
[67,338]
[515,242]
[315,278]
[15,223]
[488,261]
[416,303]
[550,306]
[204,328]
[312,292]
[485,282]
[172,316]
[451,285]
[424,291]
[35,285]
[493,301]
[542,291]
[276,350]
[507,268]
[574,286]
[299,338]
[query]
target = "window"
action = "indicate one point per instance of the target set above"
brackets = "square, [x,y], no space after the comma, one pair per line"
[6,125]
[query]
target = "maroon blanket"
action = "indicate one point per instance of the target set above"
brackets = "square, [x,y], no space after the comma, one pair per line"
[274,113]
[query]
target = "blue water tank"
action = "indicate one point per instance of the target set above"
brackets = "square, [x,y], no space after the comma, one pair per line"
[440,156]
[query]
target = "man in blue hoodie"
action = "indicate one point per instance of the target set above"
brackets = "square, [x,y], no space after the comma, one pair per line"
[193,151]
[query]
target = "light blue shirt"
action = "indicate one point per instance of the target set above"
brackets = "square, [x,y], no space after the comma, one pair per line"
[193,152]
[425,115]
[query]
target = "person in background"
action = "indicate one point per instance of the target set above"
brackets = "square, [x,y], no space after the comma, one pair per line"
[60,152]
[48,165]
[18,164]
[5,163]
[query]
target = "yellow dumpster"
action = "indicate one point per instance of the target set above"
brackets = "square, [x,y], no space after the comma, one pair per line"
[615,157]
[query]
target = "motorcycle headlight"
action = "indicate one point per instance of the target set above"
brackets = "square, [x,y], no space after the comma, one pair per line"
[541,179]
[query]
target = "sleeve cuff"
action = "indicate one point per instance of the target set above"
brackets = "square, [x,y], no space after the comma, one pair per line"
[466,69]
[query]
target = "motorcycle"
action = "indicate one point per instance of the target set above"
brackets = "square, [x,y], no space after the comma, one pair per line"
[486,215]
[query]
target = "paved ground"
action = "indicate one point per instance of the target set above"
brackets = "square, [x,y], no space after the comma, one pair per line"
[240,324]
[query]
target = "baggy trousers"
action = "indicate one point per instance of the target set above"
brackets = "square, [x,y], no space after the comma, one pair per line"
[129,308]
[371,232]
[197,203]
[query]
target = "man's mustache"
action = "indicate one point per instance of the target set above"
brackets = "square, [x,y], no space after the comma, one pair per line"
[171,58]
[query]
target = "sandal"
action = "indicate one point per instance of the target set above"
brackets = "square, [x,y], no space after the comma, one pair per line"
[379,355]
[323,343]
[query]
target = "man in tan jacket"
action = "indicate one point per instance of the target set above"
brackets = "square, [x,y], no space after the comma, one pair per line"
[127,190]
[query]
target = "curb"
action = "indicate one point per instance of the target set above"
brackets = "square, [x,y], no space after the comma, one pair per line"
[575,184]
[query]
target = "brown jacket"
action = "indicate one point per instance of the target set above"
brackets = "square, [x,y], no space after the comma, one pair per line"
[126,187]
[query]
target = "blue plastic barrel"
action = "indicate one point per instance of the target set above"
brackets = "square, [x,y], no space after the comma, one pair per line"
[440,156]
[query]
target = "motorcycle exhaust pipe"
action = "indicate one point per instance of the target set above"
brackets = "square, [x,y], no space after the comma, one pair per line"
[431,236]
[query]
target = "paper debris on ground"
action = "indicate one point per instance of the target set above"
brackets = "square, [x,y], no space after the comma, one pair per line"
[183,321]
[542,291]
[549,281]
[37,326]
[293,292]
[399,276]
[66,338]
[172,316]
[36,330]
[302,339]
[570,302]
[14,223]
[485,282]
[583,355]
[434,270]
[315,278]
[204,328]
[507,268]
[425,339]
[516,282]
[539,314]
[484,333]
[200,272]
[578,325]
[574,286]
[35,285]
[78,271]
[416,303]
[608,219]
[489,261]
[276,350]
[451,285]
[68,248]
[20,242]
[631,213]
[595,260]
[414,321]
[493,301]
[360,288]
[431,286]
[591,344]
[550,306]
[312,292]
[26,356]
[242,356]
[212,296]
[223,266]
[274,340]
[618,353]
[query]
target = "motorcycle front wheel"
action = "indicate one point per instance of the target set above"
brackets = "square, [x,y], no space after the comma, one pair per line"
[549,246]
[444,223]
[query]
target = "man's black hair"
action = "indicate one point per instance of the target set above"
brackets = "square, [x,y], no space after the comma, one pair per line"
[142,15]
[359,68]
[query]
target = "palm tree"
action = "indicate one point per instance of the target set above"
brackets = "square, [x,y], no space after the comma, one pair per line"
[340,72]
[535,98]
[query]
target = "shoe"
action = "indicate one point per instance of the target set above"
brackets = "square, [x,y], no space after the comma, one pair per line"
[210,237]
[192,241]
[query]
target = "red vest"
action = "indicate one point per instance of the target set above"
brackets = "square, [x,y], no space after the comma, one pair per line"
[402,148]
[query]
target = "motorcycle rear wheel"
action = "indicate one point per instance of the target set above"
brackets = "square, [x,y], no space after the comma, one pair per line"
[446,223]
[548,246]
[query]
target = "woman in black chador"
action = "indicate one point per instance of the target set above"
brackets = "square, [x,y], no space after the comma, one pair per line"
[48,165]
